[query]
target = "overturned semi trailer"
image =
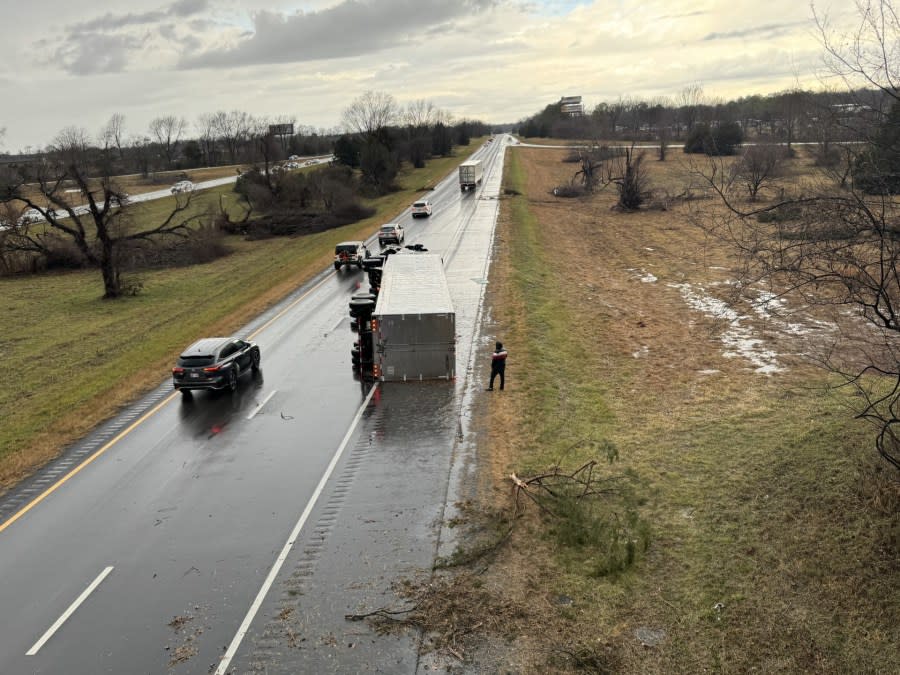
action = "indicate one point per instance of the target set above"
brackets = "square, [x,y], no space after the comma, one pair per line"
[414,325]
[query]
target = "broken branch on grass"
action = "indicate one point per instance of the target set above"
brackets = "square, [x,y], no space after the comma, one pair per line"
[549,484]
[383,613]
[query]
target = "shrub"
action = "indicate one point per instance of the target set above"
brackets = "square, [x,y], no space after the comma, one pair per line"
[782,213]
[722,140]
[569,190]
[62,254]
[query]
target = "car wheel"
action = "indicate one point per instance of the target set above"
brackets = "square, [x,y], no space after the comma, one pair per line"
[254,362]
[186,393]
[232,379]
[337,266]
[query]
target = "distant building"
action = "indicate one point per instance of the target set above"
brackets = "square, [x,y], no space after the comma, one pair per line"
[849,108]
[571,105]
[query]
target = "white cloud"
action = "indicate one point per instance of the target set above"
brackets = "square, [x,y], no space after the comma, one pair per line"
[498,60]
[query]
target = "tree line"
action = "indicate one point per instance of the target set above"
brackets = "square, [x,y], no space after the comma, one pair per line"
[66,207]
[789,116]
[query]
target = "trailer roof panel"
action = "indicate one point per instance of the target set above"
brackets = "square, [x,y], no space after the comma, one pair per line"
[413,283]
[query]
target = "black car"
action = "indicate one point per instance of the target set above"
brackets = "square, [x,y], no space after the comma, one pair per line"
[215,363]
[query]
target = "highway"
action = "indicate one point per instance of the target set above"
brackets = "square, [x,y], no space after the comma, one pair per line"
[33,215]
[232,533]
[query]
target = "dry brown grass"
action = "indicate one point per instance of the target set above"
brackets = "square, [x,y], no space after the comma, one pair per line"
[774,537]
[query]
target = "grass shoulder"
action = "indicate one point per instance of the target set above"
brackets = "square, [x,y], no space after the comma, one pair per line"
[758,493]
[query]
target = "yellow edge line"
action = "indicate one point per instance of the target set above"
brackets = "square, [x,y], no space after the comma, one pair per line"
[50,490]
[147,415]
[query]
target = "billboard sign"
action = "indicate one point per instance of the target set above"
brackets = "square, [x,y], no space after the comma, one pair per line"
[281,129]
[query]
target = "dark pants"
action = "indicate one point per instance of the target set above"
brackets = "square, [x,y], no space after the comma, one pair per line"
[494,373]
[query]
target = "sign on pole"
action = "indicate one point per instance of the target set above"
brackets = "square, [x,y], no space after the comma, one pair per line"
[281,129]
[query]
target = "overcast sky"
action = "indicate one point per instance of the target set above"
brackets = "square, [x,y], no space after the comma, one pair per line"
[65,62]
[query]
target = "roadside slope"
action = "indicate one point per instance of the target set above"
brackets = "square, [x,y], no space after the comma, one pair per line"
[772,530]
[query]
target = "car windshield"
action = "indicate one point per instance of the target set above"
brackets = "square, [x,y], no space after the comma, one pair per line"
[387,228]
[346,248]
[419,204]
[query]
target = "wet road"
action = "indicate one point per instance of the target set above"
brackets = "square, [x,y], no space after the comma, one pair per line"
[232,533]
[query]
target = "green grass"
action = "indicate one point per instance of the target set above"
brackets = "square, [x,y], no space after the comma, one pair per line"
[575,406]
[774,533]
[74,358]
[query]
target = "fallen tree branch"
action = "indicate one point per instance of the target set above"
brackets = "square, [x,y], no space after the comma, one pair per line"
[383,613]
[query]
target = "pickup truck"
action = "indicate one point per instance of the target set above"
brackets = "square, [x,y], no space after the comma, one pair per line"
[349,253]
[391,233]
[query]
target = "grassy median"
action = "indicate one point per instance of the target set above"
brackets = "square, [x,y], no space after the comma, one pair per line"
[74,359]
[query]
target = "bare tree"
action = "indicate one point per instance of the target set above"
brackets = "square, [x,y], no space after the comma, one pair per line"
[141,151]
[370,114]
[113,134]
[758,167]
[206,137]
[627,172]
[420,114]
[590,161]
[867,55]
[420,117]
[99,229]
[793,107]
[233,129]
[265,145]
[834,248]
[689,101]
[167,131]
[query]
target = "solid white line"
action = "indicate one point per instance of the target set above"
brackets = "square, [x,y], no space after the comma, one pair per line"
[61,620]
[260,406]
[279,561]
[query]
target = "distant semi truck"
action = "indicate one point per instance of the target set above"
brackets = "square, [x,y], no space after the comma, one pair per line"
[413,323]
[470,174]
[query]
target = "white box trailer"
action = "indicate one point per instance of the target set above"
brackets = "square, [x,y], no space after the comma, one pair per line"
[414,325]
[470,174]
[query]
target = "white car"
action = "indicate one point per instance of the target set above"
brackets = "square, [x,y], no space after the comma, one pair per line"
[182,186]
[293,158]
[30,216]
[391,233]
[421,208]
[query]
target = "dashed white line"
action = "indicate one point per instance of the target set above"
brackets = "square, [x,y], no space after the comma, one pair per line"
[260,406]
[65,615]
[279,561]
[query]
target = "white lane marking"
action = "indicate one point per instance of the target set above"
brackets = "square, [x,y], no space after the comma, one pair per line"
[260,406]
[65,615]
[279,561]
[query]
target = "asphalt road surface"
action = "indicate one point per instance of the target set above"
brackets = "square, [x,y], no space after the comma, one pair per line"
[232,533]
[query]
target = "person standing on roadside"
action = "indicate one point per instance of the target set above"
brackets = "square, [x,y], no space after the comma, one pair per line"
[498,366]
